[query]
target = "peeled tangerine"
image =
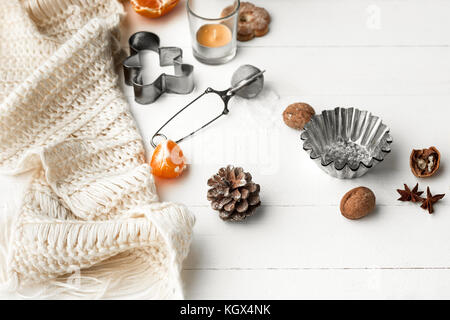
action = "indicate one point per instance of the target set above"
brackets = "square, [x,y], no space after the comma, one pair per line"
[168,160]
[153,8]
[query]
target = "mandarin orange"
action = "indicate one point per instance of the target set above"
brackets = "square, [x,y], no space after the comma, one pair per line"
[153,8]
[168,160]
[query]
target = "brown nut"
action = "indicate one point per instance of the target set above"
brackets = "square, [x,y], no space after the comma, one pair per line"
[297,115]
[357,203]
[424,162]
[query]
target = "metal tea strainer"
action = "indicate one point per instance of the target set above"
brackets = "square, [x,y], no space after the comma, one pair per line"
[247,82]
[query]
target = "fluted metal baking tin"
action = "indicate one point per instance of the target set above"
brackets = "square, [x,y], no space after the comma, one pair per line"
[346,142]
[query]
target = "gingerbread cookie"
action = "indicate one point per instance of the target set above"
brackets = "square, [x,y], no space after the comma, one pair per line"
[253,21]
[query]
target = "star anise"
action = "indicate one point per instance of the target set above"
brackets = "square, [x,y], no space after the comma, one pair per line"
[413,195]
[430,200]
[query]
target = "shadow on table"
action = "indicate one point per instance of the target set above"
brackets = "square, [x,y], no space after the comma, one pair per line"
[391,164]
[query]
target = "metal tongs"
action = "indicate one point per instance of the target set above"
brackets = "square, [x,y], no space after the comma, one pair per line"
[247,82]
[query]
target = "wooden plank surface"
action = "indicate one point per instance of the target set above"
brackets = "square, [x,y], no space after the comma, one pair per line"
[318,284]
[319,237]
[388,57]
[325,23]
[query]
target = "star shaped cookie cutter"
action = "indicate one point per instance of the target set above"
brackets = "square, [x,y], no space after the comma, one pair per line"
[182,82]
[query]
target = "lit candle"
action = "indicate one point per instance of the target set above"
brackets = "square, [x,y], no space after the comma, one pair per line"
[213,30]
[214,35]
[214,41]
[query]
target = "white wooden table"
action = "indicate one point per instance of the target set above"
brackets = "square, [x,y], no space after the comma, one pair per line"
[389,57]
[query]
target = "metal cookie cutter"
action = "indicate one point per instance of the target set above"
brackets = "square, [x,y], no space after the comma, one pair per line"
[182,82]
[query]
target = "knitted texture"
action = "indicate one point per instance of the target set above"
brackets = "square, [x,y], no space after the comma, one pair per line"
[90,223]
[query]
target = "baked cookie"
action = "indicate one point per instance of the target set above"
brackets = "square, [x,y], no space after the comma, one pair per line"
[253,21]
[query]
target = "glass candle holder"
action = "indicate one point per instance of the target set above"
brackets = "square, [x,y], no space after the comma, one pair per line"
[213,30]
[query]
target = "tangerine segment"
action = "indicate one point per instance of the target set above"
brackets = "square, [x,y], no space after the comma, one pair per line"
[168,160]
[153,8]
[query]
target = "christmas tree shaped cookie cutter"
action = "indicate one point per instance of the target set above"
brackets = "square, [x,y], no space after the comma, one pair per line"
[181,82]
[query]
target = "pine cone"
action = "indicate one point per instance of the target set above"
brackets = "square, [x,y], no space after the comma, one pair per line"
[233,193]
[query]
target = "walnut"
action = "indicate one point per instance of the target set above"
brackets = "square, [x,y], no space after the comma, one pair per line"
[357,203]
[297,115]
[424,162]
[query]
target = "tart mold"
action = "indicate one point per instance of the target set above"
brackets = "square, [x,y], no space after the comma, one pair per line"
[346,142]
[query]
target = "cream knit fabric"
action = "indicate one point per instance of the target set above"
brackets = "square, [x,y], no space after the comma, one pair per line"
[91,205]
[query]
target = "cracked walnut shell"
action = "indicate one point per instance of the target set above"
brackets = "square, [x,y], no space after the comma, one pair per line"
[424,162]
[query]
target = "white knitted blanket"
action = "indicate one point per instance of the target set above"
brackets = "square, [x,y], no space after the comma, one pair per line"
[90,224]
